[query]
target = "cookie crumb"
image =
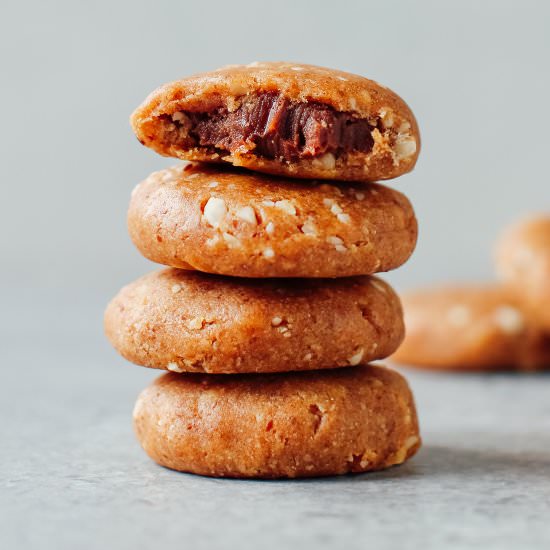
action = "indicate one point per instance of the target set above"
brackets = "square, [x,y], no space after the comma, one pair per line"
[196,323]
[212,241]
[214,211]
[268,253]
[404,127]
[336,209]
[386,115]
[308,228]
[404,148]
[231,240]
[247,214]
[276,321]
[355,359]
[180,117]
[174,367]
[326,162]
[286,206]
[337,242]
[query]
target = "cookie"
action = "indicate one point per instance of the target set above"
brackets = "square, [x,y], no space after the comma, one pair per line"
[188,321]
[470,328]
[244,224]
[523,263]
[283,118]
[280,425]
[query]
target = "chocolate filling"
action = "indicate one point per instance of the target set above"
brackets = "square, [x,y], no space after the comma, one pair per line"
[274,127]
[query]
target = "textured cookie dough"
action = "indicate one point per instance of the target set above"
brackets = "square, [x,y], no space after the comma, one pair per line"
[523,263]
[279,426]
[283,118]
[188,321]
[470,328]
[243,224]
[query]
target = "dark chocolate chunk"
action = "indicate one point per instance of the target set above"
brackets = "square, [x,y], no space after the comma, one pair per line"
[274,127]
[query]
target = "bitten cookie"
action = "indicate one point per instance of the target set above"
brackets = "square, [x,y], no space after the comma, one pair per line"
[188,321]
[251,225]
[283,118]
[523,264]
[470,328]
[275,426]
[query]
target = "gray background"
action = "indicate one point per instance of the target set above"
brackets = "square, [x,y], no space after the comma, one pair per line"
[71,474]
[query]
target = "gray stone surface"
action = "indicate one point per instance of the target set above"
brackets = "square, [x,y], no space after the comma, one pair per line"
[72,475]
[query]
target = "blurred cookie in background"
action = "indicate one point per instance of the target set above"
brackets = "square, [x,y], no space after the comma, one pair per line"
[471,328]
[523,263]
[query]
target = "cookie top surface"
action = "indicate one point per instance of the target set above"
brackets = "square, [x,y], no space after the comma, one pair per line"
[189,321]
[238,223]
[286,425]
[470,328]
[283,118]
[523,263]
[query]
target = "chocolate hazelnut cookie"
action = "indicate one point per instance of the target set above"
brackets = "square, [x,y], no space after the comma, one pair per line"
[471,328]
[523,264]
[239,223]
[188,321]
[281,425]
[283,118]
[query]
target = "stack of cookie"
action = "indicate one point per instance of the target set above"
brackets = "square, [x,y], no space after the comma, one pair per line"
[269,314]
[493,326]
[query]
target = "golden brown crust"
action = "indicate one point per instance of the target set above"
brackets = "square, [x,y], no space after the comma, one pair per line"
[470,328]
[523,263]
[276,426]
[189,321]
[250,225]
[396,138]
